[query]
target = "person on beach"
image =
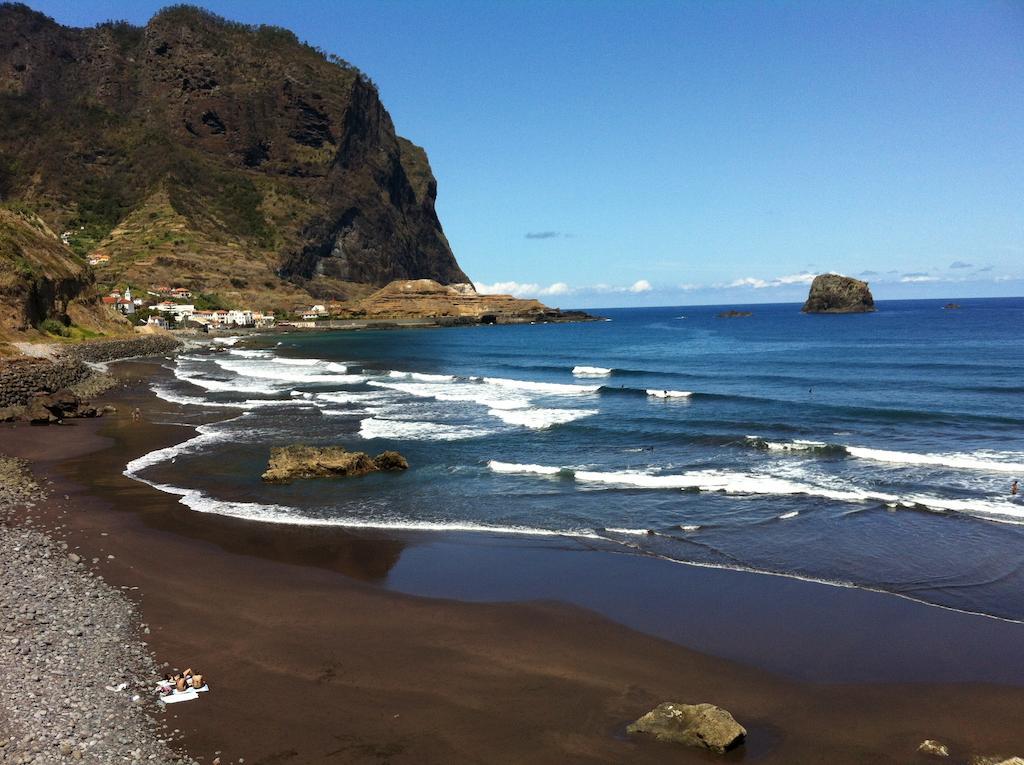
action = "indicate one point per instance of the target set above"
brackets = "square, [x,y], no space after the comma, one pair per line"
[136,414]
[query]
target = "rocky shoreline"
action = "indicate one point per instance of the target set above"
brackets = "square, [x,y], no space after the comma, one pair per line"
[67,635]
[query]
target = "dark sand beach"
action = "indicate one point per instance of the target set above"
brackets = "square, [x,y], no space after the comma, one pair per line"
[314,655]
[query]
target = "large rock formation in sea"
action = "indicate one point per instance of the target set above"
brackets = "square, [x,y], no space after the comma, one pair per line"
[832,293]
[300,461]
[232,159]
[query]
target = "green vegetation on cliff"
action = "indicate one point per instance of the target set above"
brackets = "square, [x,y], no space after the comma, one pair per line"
[230,158]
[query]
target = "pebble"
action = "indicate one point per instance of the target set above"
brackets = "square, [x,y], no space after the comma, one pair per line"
[63,625]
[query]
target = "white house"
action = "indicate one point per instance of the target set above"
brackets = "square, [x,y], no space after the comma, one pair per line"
[239,318]
[157,321]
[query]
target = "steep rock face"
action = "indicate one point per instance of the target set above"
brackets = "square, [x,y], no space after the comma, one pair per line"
[259,142]
[42,279]
[832,293]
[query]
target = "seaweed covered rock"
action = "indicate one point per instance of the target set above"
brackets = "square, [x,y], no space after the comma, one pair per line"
[300,461]
[833,293]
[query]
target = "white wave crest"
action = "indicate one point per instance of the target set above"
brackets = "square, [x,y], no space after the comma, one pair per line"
[180,398]
[245,353]
[540,418]
[512,467]
[421,376]
[557,389]
[226,340]
[469,392]
[584,371]
[635,532]
[379,427]
[957,461]
[669,393]
[288,374]
[295,362]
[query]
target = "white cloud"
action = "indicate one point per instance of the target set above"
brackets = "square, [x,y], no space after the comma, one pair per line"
[748,281]
[803,277]
[532,289]
[917,278]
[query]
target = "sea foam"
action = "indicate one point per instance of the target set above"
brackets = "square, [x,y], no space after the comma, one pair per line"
[669,393]
[584,371]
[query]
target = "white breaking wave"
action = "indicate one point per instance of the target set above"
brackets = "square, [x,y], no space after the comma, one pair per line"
[179,398]
[295,362]
[378,427]
[512,467]
[257,403]
[239,386]
[226,340]
[583,371]
[636,532]
[250,354]
[470,392]
[958,461]
[796,445]
[422,376]
[992,508]
[540,418]
[558,389]
[289,374]
[787,516]
[669,393]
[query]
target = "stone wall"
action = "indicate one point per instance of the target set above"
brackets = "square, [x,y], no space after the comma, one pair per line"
[111,350]
[21,378]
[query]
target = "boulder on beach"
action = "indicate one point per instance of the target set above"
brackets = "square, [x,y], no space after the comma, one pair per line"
[996,759]
[704,726]
[832,293]
[934,748]
[300,461]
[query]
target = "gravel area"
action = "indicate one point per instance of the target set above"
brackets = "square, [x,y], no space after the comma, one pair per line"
[64,636]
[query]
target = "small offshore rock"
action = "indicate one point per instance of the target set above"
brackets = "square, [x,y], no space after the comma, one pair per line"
[930,746]
[704,726]
[833,293]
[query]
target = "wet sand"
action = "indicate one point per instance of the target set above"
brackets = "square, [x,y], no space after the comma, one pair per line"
[312,658]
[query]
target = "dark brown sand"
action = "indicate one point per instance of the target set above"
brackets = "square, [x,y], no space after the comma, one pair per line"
[309,662]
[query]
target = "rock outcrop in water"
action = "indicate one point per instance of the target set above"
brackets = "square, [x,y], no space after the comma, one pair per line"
[833,293]
[704,726]
[299,461]
[734,314]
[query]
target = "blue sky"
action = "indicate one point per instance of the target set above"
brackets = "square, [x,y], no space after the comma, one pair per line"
[658,153]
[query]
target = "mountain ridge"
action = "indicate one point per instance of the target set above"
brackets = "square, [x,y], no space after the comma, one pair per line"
[234,157]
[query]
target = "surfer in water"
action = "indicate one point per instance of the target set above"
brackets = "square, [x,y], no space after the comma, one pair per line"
[1013,488]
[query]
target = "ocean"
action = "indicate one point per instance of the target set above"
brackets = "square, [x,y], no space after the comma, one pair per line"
[872,451]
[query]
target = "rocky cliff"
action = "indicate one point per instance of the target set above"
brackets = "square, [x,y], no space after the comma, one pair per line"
[832,293]
[44,285]
[234,159]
